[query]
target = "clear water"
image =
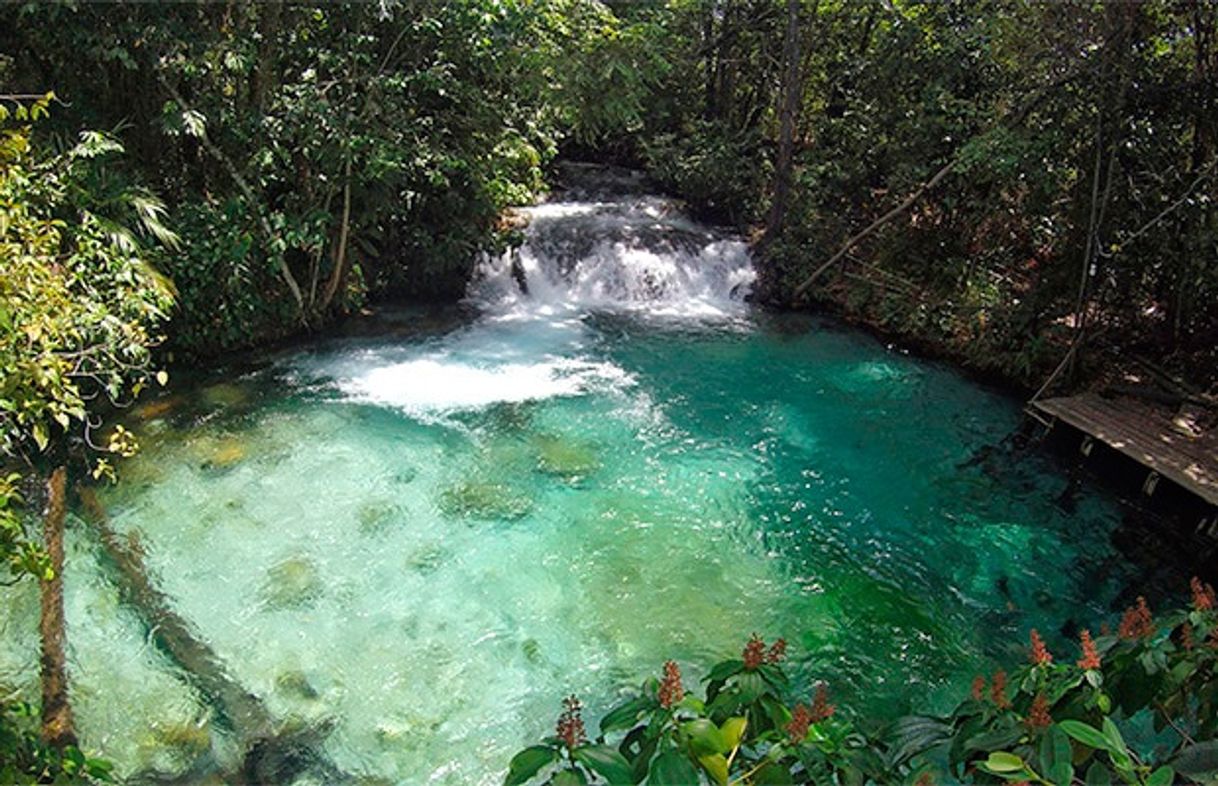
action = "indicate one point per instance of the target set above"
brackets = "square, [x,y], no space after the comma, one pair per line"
[419,542]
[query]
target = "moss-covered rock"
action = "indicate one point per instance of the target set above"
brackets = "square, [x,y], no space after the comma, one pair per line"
[565,458]
[190,739]
[485,500]
[295,684]
[291,584]
[375,516]
[224,395]
[427,559]
[157,408]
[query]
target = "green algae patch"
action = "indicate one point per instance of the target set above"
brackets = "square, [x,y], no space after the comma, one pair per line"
[374,517]
[565,458]
[484,500]
[224,395]
[292,584]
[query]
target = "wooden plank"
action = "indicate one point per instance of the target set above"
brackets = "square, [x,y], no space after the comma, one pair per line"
[1144,435]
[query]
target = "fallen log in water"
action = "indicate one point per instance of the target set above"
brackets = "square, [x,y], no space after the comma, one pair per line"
[272,755]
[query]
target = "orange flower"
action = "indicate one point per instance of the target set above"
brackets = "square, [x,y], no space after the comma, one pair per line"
[1136,623]
[998,690]
[778,651]
[570,726]
[754,652]
[1186,636]
[1040,653]
[925,779]
[978,688]
[801,719]
[1091,657]
[1203,595]
[821,708]
[1038,713]
[671,690]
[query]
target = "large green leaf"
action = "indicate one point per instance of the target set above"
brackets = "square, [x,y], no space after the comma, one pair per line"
[1098,775]
[1055,756]
[723,670]
[732,730]
[704,737]
[672,769]
[1116,743]
[528,762]
[1164,776]
[773,775]
[715,766]
[569,778]
[605,762]
[1198,762]
[751,686]
[995,739]
[1087,735]
[915,734]
[1002,761]
[625,715]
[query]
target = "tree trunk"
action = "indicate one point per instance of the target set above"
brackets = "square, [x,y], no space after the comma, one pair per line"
[263,77]
[58,726]
[873,226]
[792,91]
[344,231]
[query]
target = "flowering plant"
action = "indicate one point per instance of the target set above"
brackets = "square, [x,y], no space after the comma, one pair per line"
[1052,721]
[741,731]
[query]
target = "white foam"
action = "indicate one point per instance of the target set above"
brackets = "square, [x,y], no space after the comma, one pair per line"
[435,385]
[638,255]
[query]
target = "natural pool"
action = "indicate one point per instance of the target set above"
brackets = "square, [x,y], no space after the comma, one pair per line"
[417,542]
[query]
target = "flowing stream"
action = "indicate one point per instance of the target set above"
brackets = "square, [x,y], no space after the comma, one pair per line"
[413,542]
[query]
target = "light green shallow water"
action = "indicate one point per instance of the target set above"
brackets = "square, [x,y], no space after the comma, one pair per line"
[427,541]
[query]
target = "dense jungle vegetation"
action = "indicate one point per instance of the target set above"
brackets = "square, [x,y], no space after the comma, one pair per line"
[1051,165]
[1020,186]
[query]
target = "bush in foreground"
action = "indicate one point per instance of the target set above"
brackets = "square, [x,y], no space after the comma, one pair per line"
[1045,722]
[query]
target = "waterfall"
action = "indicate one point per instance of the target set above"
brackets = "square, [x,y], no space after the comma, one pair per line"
[594,250]
[605,246]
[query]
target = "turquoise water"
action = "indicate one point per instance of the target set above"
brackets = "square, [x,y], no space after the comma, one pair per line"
[416,543]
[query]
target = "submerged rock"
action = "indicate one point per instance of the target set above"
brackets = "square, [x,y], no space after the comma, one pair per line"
[375,516]
[157,408]
[427,559]
[406,732]
[191,739]
[224,394]
[295,683]
[565,458]
[220,453]
[291,584]
[483,500]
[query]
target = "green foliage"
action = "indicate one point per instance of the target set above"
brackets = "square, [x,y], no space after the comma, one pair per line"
[718,170]
[79,301]
[20,552]
[313,155]
[24,759]
[740,731]
[1024,100]
[1045,722]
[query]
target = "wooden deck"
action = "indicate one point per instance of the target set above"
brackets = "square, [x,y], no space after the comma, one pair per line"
[1145,434]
